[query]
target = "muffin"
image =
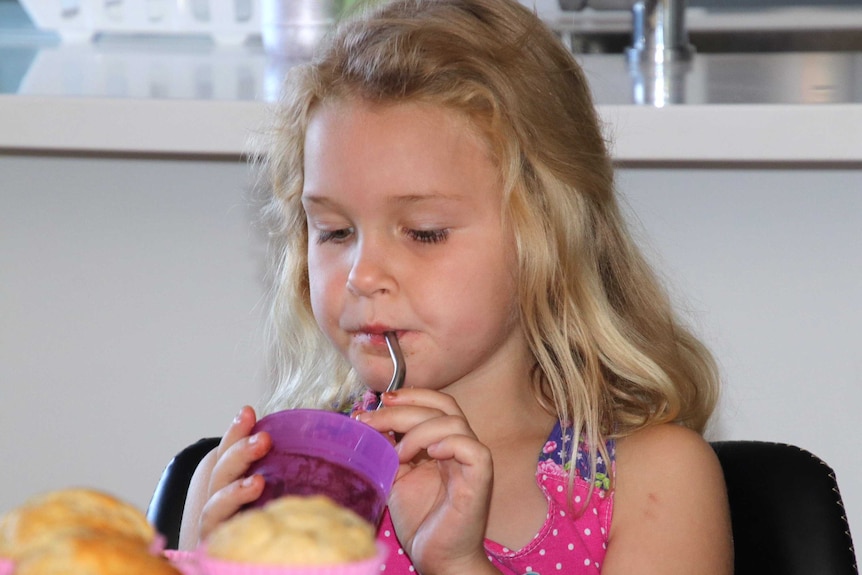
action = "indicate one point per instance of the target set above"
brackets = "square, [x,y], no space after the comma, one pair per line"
[80,532]
[294,531]
[88,552]
[45,517]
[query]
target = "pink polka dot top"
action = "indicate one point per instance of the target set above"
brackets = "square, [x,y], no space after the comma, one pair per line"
[573,539]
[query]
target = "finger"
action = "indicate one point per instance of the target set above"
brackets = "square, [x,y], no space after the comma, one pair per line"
[466,451]
[240,427]
[466,467]
[430,432]
[235,462]
[410,407]
[398,420]
[416,397]
[227,501]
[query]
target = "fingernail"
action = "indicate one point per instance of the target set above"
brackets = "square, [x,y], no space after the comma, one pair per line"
[254,438]
[247,481]
[238,417]
[390,394]
[363,416]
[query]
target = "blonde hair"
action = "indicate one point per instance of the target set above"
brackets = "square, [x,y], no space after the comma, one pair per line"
[611,357]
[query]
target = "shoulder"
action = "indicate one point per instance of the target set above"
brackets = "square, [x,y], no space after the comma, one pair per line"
[669,494]
[647,451]
[665,467]
[666,460]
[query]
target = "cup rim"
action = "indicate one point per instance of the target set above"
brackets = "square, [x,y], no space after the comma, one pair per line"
[371,454]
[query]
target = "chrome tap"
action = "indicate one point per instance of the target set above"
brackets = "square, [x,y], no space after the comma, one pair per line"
[658,32]
[660,54]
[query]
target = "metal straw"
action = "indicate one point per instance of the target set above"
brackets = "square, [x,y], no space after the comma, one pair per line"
[399,367]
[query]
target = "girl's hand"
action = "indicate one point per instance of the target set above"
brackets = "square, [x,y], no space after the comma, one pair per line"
[441,496]
[219,487]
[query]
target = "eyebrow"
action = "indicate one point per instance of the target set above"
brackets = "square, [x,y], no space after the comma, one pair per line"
[405,199]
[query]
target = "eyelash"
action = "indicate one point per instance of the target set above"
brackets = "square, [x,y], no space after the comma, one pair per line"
[337,236]
[429,236]
[421,236]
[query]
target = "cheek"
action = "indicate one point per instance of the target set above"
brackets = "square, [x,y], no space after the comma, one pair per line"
[324,285]
[318,299]
[316,285]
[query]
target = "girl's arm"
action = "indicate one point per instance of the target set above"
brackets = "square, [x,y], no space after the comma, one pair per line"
[671,513]
[219,487]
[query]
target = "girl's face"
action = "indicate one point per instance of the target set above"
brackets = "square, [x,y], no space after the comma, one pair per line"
[405,234]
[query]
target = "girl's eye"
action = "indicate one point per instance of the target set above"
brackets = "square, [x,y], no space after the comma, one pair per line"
[428,236]
[335,236]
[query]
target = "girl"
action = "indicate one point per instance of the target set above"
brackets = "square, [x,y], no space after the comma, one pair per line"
[439,172]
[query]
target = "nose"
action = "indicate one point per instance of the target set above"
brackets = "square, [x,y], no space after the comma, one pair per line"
[370,270]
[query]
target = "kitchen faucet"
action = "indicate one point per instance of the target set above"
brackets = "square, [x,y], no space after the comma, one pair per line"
[658,32]
[658,27]
[659,57]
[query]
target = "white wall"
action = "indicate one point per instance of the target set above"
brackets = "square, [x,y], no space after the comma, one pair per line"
[130,307]
[768,265]
[131,303]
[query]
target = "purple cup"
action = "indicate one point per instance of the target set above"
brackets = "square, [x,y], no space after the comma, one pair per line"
[316,452]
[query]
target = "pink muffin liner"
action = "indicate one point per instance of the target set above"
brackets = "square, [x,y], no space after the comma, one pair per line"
[202,564]
[6,566]
[175,556]
[157,545]
[186,562]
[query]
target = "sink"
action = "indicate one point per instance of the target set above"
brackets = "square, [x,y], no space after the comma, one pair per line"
[725,42]
[818,28]
[776,55]
[778,41]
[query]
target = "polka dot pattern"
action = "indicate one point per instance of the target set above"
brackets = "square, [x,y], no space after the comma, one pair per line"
[573,539]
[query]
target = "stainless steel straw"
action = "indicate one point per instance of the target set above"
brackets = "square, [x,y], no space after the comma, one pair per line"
[399,367]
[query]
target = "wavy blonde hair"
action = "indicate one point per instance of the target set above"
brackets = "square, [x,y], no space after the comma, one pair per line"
[611,357]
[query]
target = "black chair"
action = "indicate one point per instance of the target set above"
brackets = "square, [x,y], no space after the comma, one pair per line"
[787,513]
[165,511]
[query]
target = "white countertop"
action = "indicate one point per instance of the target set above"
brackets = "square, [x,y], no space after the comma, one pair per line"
[187,99]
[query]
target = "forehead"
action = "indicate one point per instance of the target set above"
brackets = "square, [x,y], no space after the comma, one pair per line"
[366,150]
[358,128]
[416,115]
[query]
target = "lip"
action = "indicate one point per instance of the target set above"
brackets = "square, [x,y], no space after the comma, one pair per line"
[374,335]
[376,329]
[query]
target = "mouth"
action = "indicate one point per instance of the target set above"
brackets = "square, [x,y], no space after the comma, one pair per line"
[370,345]
[374,335]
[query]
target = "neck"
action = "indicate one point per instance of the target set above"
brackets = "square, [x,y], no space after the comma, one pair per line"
[502,406]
